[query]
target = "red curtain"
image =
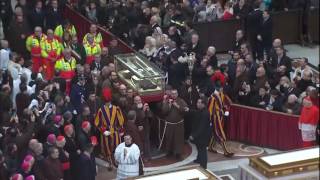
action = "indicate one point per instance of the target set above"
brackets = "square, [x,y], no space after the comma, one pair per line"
[82,25]
[263,128]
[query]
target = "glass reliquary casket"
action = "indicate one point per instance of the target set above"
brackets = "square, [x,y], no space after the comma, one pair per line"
[138,73]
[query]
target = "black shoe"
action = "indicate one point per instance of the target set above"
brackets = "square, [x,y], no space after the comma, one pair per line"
[196,161]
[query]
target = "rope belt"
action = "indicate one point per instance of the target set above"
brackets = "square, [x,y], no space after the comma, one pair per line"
[165,128]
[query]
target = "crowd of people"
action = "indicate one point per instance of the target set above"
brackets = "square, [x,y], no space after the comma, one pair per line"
[62,103]
[128,19]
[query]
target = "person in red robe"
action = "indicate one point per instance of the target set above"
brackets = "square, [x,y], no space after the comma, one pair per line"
[308,122]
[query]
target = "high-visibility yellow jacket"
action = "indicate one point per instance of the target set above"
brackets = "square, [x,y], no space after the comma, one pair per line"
[50,47]
[97,39]
[33,44]
[66,68]
[59,31]
[92,50]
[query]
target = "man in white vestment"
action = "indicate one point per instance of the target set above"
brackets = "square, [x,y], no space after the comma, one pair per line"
[127,156]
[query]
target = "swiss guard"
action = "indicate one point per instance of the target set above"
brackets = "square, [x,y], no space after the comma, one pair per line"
[218,109]
[109,121]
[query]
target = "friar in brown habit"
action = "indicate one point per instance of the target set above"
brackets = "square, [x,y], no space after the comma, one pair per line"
[173,109]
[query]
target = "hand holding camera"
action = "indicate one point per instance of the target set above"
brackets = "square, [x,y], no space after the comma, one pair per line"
[146,107]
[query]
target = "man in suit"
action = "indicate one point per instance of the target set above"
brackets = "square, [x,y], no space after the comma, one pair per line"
[281,59]
[266,32]
[96,65]
[212,58]
[53,15]
[195,46]
[78,50]
[275,44]
[276,101]
[37,15]
[254,26]
[87,165]
[252,67]
[240,39]
[202,132]
[156,29]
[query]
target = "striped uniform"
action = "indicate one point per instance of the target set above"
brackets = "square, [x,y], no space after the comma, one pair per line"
[216,106]
[109,118]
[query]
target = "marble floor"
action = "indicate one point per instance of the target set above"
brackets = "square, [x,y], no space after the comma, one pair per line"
[217,163]
[296,51]
[293,51]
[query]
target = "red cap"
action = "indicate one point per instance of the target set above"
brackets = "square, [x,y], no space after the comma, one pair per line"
[60,139]
[17,177]
[57,119]
[85,124]
[28,158]
[107,94]
[51,138]
[67,128]
[25,166]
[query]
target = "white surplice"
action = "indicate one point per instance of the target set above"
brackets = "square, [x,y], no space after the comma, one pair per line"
[128,166]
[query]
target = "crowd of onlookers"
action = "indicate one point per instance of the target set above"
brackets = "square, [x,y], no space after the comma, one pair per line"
[129,19]
[46,119]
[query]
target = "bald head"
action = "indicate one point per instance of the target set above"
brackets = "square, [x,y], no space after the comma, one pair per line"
[211,50]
